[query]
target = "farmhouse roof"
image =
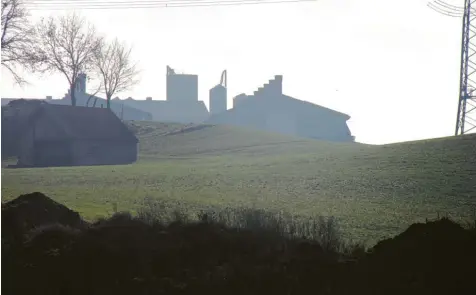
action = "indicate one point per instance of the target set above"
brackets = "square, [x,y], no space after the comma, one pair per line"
[86,122]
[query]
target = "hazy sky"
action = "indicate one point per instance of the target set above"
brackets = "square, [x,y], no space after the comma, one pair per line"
[393,66]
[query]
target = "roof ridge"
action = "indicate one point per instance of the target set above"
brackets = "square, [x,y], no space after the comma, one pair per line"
[320,106]
[88,122]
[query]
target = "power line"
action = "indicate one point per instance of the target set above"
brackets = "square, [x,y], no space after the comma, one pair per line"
[101,4]
[104,2]
[449,6]
[446,9]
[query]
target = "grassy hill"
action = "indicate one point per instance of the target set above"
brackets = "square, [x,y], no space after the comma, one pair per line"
[175,140]
[376,191]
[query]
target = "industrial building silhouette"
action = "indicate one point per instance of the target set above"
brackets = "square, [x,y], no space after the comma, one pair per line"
[269,109]
[181,104]
[266,109]
[218,96]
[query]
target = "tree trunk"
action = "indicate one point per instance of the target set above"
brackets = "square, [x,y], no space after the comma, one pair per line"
[72,94]
[108,101]
[87,102]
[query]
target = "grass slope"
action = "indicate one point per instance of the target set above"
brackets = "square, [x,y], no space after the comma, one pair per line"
[376,191]
[174,140]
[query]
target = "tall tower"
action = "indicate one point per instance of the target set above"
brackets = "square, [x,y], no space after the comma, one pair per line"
[466,118]
[466,115]
[81,83]
[218,96]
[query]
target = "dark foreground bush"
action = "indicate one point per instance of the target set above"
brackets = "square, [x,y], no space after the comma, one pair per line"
[128,255]
[323,230]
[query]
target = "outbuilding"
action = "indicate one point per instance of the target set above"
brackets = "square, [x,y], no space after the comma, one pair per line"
[61,135]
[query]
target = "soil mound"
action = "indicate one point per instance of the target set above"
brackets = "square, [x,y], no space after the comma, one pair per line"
[34,210]
[436,257]
[441,235]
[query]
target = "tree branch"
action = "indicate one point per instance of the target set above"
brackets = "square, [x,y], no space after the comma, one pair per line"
[113,64]
[68,45]
[17,39]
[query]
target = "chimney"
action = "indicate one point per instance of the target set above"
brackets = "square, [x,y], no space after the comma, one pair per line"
[49,97]
[278,84]
[148,98]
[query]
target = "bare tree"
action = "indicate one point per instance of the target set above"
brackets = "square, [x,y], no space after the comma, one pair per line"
[68,45]
[114,66]
[17,38]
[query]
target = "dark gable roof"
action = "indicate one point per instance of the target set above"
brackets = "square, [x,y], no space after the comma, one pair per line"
[6,101]
[87,123]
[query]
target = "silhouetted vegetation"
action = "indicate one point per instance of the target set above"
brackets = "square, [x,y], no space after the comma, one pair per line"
[162,251]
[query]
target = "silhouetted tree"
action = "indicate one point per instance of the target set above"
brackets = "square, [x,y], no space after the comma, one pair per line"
[17,38]
[115,68]
[67,44]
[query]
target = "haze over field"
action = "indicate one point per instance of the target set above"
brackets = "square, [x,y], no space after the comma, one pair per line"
[392,66]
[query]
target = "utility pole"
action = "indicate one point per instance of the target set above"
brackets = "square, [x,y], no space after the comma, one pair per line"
[466,115]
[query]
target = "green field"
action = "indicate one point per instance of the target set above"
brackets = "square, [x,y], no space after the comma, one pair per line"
[375,191]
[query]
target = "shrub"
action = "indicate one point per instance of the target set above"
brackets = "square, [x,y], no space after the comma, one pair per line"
[321,229]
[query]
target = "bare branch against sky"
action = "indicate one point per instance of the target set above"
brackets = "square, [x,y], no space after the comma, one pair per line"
[67,44]
[115,68]
[17,39]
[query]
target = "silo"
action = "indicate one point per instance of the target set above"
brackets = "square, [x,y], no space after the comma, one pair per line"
[239,98]
[218,99]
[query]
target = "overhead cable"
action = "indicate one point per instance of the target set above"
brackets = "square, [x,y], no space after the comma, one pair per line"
[101,4]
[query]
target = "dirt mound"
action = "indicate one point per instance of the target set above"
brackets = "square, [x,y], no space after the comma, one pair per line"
[441,235]
[34,210]
[428,258]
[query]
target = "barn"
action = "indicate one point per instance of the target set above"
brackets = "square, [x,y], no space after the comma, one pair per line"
[61,135]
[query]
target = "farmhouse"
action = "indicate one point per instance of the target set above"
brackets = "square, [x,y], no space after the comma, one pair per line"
[269,109]
[60,135]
